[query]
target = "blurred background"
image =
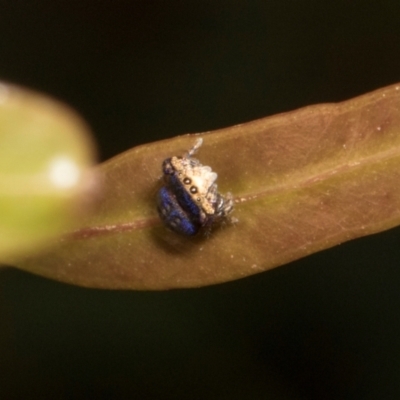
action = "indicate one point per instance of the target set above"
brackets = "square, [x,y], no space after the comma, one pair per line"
[324,327]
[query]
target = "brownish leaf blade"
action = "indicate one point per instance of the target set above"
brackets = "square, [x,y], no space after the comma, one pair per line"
[303,181]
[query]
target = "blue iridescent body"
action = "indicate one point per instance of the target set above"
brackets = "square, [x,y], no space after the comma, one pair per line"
[189,201]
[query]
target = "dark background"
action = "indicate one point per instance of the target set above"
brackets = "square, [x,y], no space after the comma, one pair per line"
[324,327]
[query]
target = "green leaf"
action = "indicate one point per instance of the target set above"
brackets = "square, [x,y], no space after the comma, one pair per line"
[303,181]
[45,153]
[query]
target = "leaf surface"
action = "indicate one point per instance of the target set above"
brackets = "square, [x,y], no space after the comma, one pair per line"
[45,157]
[303,181]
